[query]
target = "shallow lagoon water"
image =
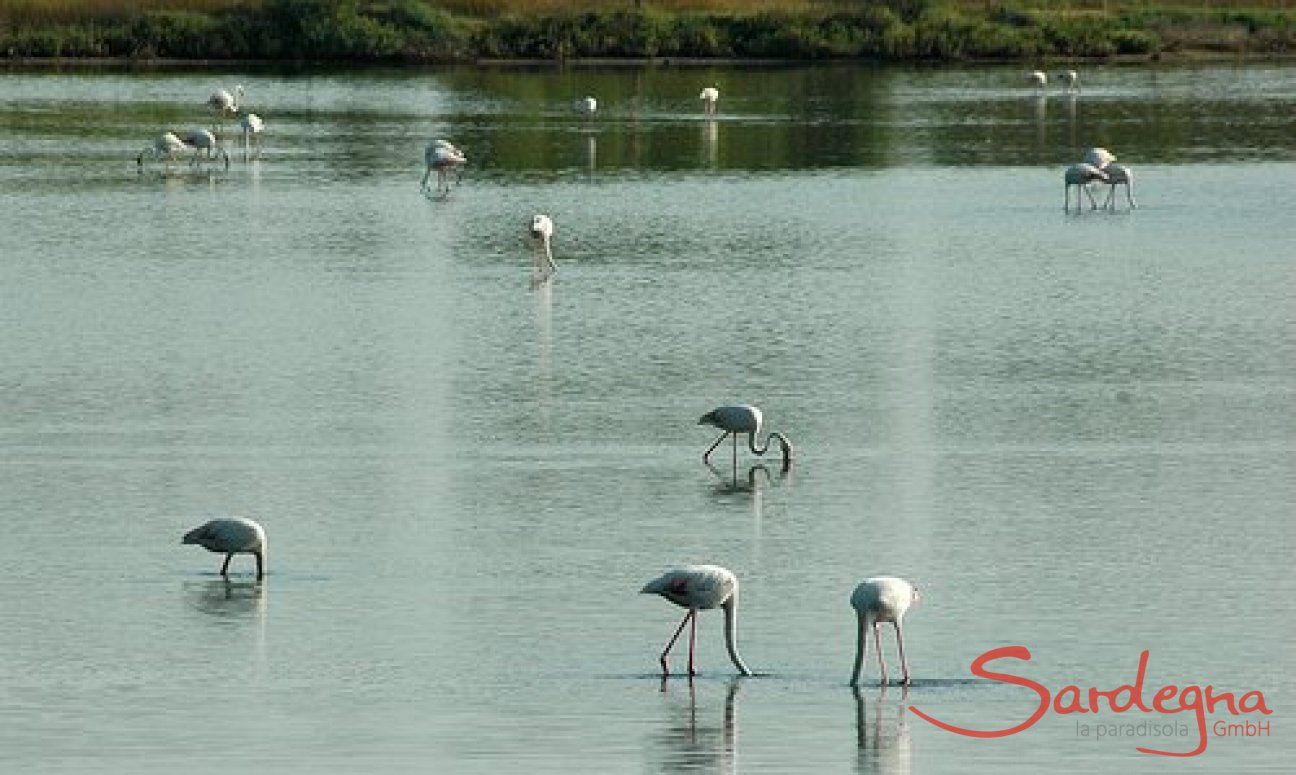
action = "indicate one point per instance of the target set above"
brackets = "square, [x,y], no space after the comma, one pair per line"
[1074,432]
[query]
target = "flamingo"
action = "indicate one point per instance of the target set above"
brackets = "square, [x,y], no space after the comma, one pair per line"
[587,107]
[203,140]
[709,96]
[223,104]
[1037,78]
[231,536]
[877,600]
[1098,157]
[698,588]
[1081,175]
[166,146]
[1070,79]
[1119,174]
[251,125]
[743,418]
[541,233]
[442,156]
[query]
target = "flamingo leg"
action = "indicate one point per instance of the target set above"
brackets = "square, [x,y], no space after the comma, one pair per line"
[225,565]
[877,639]
[904,663]
[692,641]
[735,456]
[707,455]
[671,644]
[261,574]
[426,174]
[1092,201]
[1129,194]
[861,653]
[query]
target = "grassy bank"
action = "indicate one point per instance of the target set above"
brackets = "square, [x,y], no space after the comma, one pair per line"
[455,30]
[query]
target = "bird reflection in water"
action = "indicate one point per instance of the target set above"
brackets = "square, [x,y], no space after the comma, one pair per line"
[227,599]
[688,745]
[884,744]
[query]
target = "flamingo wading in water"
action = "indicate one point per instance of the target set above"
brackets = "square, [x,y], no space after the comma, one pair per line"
[1038,79]
[251,126]
[743,418]
[1070,79]
[203,140]
[699,588]
[877,600]
[1119,175]
[223,103]
[1080,176]
[709,96]
[541,232]
[166,147]
[587,107]
[442,156]
[231,536]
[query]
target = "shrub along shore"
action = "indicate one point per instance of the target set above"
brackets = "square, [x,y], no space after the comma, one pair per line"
[424,32]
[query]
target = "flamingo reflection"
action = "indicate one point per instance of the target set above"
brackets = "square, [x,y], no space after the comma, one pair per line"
[690,746]
[885,745]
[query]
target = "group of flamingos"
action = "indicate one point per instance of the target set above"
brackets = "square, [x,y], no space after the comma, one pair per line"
[692,587]
[205,144]
[876,600]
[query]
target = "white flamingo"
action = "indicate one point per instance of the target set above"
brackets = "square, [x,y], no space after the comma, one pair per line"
[223,103]
[743,418]
[1117,175]
[1080,176]
[877,600]
[541,232]
[202,140]
[167,146]
[251,125]
[1038,79]
[587,107]
[1070,79]
[709,96]
[231,536]
[442,156]
[1098,157]
[699,588]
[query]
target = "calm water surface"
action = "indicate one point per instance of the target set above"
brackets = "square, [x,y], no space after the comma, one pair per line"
[1075,433]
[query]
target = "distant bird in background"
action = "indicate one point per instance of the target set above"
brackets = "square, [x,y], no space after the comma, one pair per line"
[225,104]
[877,600]
[699,588]
[541,231]
[587,107]
[441,156]
[231,536]
[743,418]
[251,126]
[1038,79]
[1070,79]
[709,96]
[1098,157]
[1080,176]
[1118,175]
[166,146]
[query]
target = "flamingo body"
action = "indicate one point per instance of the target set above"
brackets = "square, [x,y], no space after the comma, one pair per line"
[876,600]
[1070,79]
[166,146]
[251,126]
[587,106]
[700,588]
[1037,78]
[231,536]
[1098,157]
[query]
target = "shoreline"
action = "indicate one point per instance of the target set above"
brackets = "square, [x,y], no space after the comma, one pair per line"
[1170,57]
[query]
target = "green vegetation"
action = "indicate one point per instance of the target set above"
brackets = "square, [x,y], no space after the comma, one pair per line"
[429,31]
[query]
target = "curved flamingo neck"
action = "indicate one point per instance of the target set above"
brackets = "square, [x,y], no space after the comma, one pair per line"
[784,444]
[731,633]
